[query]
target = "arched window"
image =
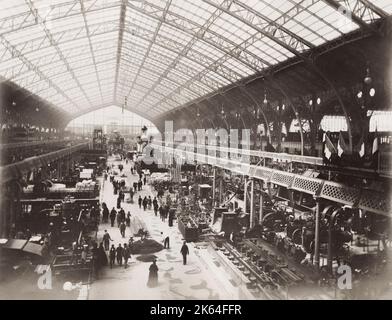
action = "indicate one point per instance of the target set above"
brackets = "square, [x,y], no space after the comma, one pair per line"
[111,119]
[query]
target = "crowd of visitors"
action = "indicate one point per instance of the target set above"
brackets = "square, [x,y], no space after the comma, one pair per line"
[109,254]
[120,253]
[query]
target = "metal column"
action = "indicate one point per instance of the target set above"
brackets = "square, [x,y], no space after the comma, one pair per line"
[261,208]
[252,191]
[317,235]
[245,193]
[213,187]
[220,192]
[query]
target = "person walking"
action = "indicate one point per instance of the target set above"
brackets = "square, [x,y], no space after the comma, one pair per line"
[128,219]
[155,205]
[113,214]
[96,260]
[149,203]
[153,275]
[131,194]
[144,180]
[105,213]
[118,202]
[126,255]
[145,201]
[106,240]
[122,229]
[184,251]
[171,217]
[135,187]
[103,259]
[161,212]
[166,242]
[112,256]
[140,185]
[119,254]
[122,214]
[164,213]
[140,200]
[119,220]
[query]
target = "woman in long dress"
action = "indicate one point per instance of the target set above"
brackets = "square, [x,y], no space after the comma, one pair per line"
[103,259]
[153,275]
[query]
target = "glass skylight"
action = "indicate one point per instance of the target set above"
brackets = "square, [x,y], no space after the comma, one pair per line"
[80,55]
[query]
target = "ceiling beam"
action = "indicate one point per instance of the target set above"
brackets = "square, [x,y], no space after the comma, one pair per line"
[17,54]
[42,23]
[83,9]
[152,42]
[123,13]
[265,26]
[356,12]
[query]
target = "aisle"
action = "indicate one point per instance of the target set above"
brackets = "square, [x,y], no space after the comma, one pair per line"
[176,281]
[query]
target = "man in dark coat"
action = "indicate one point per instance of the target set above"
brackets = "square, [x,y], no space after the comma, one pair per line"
[122,229]
[164,213]
[105,213]
[145,201]
[184,251]
[112,256]
[122,214]
[119,254]
[161,213]
[106,240]
[126,255]
[171,217]
[128,219]
[113,214]
[140,200]
[155,205]
[118,202]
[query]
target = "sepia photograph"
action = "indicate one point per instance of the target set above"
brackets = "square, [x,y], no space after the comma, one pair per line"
[208,152]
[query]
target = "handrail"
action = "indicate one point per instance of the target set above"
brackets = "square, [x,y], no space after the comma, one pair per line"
[15,145]
[328,190]
[257,153]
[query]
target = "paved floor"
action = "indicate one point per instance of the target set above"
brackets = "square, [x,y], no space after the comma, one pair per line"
[196,280]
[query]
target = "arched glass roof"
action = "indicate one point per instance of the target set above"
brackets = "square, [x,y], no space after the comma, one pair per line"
[157,55]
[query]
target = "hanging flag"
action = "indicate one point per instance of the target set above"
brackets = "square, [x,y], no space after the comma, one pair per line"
[341,145]
[327,153]
[360,146]
[362,150]
[375,145]
[329,148]
[340,149]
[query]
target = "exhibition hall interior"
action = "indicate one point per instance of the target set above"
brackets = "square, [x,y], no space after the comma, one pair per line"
[195,150]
